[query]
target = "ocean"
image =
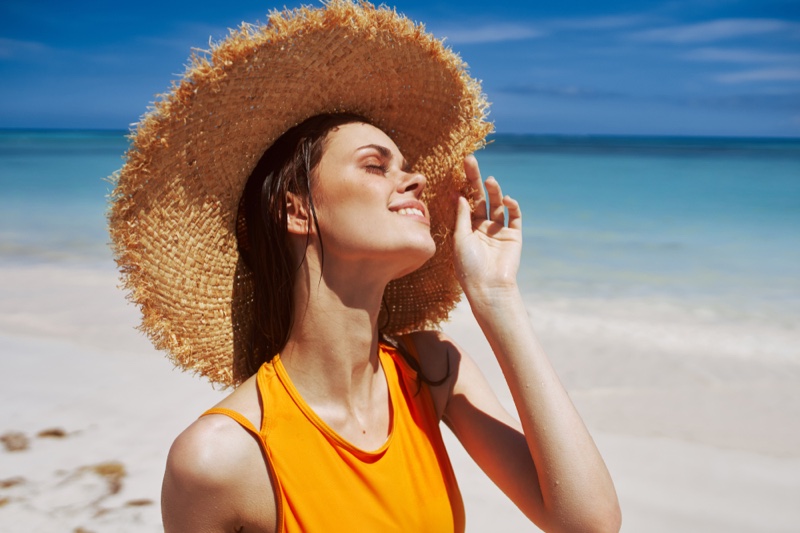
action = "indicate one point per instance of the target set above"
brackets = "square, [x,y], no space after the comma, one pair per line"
[695,218]
[714,221]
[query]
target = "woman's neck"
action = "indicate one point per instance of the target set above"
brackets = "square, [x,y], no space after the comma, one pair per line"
[332,351]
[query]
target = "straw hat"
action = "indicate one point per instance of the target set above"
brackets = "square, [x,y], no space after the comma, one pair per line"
[173,213]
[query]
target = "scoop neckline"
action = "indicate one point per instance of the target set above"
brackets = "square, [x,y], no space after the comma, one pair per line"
[385,360]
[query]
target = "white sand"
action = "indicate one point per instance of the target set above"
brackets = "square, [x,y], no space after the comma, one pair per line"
[695,411]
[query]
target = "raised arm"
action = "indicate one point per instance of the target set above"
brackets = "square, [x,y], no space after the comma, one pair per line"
[549,465]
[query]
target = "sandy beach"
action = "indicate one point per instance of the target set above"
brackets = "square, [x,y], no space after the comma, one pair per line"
[694,410]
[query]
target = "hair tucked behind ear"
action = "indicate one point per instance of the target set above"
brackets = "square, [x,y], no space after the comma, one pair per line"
[288,166]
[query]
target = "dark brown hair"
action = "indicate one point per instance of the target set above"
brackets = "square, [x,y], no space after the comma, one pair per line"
[262,230]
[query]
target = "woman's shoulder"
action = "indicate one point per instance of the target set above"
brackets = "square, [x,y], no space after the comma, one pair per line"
[215,445]
[439,359]
[214,468]
[209,449]
[437,353]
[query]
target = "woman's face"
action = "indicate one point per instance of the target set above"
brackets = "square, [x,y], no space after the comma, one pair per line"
[368,202]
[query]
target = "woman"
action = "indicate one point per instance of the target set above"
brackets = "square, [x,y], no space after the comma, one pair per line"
[341,240]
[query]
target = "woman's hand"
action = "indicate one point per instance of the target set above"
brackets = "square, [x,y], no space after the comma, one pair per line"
[487,250]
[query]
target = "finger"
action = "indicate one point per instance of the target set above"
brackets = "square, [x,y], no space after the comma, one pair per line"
[463,217]
[497,211]
[514,213]
[477,194]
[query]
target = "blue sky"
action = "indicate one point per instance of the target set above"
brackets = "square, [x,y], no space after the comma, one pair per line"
[698,67]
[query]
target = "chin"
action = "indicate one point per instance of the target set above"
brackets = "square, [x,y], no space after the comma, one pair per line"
[416,257]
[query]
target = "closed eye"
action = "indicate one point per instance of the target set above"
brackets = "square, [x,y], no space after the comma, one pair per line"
[377,169]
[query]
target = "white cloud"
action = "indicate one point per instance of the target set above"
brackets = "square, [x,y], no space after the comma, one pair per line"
[716,30]
[14,48]
[564,91]
[187,35]
[610,22]
[492,33]
[765,74]
[732,55]
[515,31]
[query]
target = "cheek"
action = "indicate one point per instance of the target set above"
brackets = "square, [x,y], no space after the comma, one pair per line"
[351,204]
[346,223]
[346,212]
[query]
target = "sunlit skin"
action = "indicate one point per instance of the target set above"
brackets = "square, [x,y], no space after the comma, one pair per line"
[374,229]
[371,216]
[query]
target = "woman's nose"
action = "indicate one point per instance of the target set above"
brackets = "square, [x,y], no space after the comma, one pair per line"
[413,182]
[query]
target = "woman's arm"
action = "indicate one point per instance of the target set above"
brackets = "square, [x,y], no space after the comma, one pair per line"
[552,468]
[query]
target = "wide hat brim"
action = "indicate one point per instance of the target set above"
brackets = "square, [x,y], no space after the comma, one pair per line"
[173,210]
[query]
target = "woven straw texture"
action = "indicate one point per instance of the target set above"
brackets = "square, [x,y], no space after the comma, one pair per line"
[173,210]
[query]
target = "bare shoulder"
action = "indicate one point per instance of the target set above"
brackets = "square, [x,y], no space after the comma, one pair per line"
[216,480]
[207,453]
[465,386]
[436,350]
[440,362]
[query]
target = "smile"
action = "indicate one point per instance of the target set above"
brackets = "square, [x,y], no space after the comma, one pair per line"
[410,211]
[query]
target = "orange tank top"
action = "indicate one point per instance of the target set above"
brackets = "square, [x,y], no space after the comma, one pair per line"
[325,484]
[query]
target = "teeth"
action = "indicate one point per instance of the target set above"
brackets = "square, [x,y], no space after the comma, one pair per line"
[410,211]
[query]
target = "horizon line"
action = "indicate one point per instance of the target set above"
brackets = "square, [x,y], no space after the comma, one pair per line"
[125,132]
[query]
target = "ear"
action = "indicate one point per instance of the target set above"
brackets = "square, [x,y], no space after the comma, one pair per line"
[298,217]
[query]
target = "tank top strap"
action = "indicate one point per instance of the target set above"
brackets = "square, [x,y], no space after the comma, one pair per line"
[236,416]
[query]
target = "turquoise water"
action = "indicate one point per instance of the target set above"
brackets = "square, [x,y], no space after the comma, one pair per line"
[52,193]
[689,217]
[714,219]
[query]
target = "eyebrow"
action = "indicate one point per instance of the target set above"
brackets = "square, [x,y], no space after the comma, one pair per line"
[386,154]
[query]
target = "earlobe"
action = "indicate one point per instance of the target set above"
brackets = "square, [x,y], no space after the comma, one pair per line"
[297,215]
